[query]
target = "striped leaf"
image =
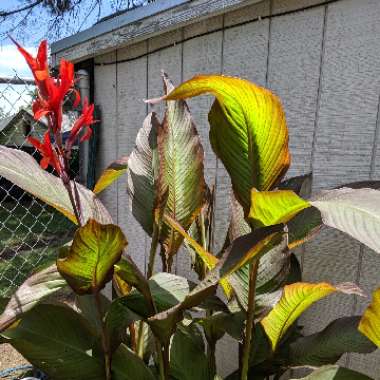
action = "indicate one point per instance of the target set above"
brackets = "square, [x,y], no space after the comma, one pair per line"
[248,131]
[296,298]
[181,170]
[142,171]
[353,211]
[24,171]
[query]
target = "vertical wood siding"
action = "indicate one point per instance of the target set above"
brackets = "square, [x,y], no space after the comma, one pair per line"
[322,59]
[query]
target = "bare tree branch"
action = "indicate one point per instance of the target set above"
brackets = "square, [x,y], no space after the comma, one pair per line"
[18,10]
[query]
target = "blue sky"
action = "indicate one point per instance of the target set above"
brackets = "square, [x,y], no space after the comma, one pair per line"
[11,62]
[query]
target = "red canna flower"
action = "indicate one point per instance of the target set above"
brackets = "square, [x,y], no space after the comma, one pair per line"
[56,90]
[49,155]
[83,123]
[38,65]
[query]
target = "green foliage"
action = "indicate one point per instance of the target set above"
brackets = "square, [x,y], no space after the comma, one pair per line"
[164,326]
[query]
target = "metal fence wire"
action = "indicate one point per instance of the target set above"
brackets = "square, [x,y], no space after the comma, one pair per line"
[30,230]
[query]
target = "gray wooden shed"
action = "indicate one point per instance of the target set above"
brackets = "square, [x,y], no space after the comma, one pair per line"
[321,57]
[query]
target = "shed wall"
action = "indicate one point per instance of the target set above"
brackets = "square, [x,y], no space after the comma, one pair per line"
[323,60]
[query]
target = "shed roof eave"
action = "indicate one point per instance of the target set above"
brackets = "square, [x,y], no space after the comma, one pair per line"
[139,24]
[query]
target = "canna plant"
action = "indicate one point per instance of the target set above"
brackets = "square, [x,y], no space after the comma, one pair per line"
[161,325]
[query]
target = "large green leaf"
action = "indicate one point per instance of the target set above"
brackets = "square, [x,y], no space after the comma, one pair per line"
[143,173]
[118,317]
[370,322]
[181,170]
[187,358]
[126,365]
[36,288]
[328,345]
[58,341]
[296,298]
[115,170]
[274,207]
[164,323]
[88,264]
[353,211]
[23,170]
[334,372]
[248,131]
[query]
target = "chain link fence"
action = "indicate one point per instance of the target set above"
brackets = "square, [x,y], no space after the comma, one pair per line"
[30,231]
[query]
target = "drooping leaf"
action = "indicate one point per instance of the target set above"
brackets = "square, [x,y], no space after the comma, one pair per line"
[36,288]
[126,365]
[334,372]
[274,207]
[248,131]
[207,258]
[296,298]
[143,173]
[164,323]
[23,170]
[187,358]
[273,267]
[304,226]
[370,321]
[58,341]
[328,345]
[115,170]
[301,185]
[128,271]
[181,170]
[250,246]
[353,211]
[88,264]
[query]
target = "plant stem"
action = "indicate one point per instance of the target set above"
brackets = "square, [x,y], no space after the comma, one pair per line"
[72,200]
[105,343]
[132,332]
[160,359]
[140,340]
[250,319]
[211,345]
[166,361]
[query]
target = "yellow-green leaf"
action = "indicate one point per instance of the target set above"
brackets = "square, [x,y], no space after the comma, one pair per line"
[296,298]
[111,174]
[88,264]
[274,207]
[208,259]
[370,322]
[248,131]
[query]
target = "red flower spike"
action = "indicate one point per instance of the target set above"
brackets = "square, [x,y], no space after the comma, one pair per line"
[49,155]
[83,122]
[38,65]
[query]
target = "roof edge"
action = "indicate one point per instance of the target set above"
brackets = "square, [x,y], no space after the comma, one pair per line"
[139,24]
